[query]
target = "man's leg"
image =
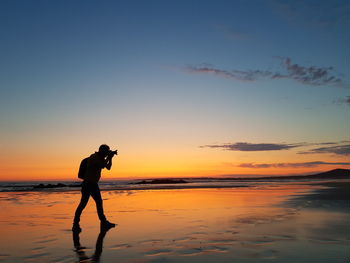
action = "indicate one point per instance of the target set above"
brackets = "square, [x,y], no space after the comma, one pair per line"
[96,195]
[85,194]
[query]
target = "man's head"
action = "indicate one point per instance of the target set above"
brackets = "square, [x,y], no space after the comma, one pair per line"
[104,150]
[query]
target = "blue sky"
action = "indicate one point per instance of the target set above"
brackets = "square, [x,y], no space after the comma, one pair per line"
[163,74]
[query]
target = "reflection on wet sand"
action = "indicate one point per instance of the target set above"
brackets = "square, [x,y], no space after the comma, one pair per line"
[282,223]
[80,250]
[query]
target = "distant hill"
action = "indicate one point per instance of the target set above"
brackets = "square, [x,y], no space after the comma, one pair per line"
[162,181]
[332,174]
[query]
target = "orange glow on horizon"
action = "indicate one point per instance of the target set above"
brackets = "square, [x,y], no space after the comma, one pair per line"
[156,163]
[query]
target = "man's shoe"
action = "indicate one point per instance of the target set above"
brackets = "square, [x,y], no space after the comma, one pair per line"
[76,228]
[107,225]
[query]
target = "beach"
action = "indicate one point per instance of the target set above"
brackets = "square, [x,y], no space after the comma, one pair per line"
[280,222]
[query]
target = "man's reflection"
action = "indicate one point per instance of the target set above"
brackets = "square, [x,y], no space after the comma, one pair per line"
[80,250]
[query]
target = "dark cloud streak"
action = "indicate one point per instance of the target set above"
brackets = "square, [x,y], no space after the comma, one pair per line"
[344,101]
[347,100]
[248,147]
[250,75]
[338,150]
[289,165]
[312,75]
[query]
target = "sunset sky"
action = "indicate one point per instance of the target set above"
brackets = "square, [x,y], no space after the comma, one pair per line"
[180,88]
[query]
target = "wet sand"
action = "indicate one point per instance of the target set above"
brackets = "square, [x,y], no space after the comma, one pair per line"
[279,223]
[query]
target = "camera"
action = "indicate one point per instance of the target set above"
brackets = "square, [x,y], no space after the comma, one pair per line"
[114,152]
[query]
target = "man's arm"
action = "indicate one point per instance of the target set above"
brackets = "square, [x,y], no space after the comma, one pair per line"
[109,161]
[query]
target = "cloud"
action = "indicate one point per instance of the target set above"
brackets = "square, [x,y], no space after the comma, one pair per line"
[248,147]
[250,75]
[338,150]
[289,165]
[312,75]
[345,100]
[327,143]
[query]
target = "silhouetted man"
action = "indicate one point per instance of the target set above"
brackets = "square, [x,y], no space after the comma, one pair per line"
[95,163]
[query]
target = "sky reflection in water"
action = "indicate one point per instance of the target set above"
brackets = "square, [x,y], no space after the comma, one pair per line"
[202,225]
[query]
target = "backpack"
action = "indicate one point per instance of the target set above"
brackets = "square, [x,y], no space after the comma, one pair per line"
[82,168]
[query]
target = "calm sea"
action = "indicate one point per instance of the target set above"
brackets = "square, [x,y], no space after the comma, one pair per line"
[136,185]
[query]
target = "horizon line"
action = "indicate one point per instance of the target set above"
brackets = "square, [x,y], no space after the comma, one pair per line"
[171,177]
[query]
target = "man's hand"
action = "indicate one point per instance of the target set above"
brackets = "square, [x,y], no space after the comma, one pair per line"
[111,155]
[108,161]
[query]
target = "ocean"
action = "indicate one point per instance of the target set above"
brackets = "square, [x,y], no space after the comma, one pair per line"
[137,184]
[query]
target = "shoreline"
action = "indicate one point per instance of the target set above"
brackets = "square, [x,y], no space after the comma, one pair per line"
[272,222]
[135,185]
